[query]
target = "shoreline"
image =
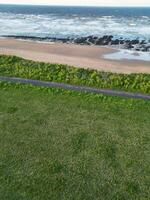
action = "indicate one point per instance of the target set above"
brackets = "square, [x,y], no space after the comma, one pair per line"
[83,56]
[136,44]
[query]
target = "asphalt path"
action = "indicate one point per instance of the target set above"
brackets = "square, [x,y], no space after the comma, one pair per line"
[76,88]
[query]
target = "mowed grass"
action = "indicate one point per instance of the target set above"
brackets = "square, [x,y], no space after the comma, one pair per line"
[59,146]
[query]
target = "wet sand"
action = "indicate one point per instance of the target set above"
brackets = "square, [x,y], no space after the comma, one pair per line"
[71,54]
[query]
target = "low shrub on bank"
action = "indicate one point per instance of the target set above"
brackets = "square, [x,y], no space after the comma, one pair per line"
[18,67]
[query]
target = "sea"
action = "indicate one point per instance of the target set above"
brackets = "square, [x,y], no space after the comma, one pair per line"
[64,22]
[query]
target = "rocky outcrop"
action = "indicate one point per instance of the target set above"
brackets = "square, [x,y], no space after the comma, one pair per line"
[106,40]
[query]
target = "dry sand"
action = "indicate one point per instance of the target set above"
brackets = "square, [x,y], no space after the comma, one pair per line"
[71,54]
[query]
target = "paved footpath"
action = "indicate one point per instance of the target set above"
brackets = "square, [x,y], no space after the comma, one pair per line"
[76,88]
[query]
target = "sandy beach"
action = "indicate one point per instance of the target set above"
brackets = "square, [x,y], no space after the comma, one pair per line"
[71,54]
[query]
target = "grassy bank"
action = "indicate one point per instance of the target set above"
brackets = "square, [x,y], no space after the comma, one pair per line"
[65,145]
[18,67]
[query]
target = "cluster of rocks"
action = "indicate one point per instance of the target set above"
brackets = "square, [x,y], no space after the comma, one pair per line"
[109,40]
[106,40]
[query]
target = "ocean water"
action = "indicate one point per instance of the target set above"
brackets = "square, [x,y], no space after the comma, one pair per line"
[64,22]
[123,54]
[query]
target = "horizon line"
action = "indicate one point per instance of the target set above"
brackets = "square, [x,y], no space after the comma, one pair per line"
[62,5]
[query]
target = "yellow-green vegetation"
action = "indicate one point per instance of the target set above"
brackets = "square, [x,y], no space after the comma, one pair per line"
[57,144]
[18,67]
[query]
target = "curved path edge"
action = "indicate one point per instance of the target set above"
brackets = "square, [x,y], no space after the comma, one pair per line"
[76,88]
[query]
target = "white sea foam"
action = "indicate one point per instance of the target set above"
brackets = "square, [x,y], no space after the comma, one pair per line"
[43,25]
[128,55]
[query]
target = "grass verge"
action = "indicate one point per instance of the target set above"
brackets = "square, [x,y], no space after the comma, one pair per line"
[18,67]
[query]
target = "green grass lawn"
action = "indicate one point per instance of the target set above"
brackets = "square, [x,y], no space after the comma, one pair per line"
[70,146]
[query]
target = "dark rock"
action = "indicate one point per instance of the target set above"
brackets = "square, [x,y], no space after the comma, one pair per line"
[81,40]
[127,41]
[137,49]
[121,41]
[105,40]
[135,41]
[92,39]
[145,48]
[143,42]
[115,42]
[128,46]
[99,41]
[107,37]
